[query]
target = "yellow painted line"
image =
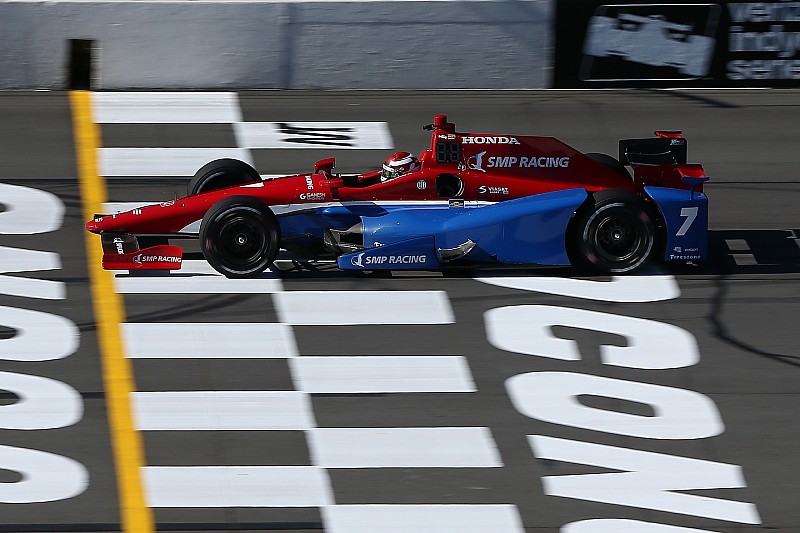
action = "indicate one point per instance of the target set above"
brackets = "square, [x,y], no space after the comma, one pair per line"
[109,312]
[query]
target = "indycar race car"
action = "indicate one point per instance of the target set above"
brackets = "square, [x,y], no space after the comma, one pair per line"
[468,200]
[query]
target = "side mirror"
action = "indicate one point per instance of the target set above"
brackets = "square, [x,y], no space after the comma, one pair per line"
[325,165]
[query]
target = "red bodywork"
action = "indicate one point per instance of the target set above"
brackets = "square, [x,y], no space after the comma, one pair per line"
[468,166]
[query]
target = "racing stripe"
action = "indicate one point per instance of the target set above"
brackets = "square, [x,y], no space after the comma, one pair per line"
[109,313]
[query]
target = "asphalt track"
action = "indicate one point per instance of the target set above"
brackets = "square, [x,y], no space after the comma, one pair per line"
[741,307]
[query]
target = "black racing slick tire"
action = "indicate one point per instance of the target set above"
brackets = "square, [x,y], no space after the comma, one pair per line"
[613,233]
[222,173]
[610,162]
[239,237]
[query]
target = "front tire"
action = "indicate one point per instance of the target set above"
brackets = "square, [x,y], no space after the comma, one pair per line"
[222,173]
[613,233]
[239,237]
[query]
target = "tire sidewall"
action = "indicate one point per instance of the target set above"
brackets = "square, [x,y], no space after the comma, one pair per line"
[243,210]
[611,208]
[222,173]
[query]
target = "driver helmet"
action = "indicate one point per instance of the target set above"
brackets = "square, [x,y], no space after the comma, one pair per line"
[398,164]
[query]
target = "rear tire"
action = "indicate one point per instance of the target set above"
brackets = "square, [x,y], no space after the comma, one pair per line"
[239,237]
[610,162]
[613,233]
[222,173]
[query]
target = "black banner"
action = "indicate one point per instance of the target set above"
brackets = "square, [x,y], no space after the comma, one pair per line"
[686,44]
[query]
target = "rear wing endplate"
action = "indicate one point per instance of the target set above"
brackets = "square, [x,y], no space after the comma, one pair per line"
[666,148]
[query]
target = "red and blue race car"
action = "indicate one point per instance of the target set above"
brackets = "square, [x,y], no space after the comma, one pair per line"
[468,200]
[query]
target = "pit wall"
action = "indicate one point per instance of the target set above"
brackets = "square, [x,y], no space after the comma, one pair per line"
[286,44]
[393,44]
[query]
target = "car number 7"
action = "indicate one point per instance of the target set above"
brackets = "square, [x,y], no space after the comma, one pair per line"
[691,214]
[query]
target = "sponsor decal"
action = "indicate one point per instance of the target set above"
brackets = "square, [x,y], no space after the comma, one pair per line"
[168,203]
[422,185]
[481,139]
[144,258]
[447,136]
[137,211]
[309,183]
[475,162]
[527,162]
[313,196]
[484,189]
[683,257]
[405,259]
[732,43]
[358,260]
[679,250]
[649,39]
[118,243]
[455,203]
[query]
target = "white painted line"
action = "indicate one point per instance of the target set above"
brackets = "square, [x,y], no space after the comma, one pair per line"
[499,518]
[156,162]
[740,250]
[436,447]
[200,340]
[324,308]
[339,135]
[737,245]
[639,288]
[194,277]
[236,486]
[165,107]
[222,410]
[380,374]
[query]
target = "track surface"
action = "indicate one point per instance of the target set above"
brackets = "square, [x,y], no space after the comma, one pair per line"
[741,308]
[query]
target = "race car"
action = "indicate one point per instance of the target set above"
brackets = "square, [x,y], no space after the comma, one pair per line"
[651,40]
[469,200]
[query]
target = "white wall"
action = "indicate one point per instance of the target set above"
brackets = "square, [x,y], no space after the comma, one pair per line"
[281,44]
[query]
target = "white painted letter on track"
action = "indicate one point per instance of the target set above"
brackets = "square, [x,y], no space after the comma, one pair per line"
[647,480]
[28,211]
[38,336]
[22,260]
[46,477]
[623,525]
[619,289]
[554,397]
[43,403]
[527,329]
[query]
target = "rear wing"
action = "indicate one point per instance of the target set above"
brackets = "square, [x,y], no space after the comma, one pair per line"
[666,148]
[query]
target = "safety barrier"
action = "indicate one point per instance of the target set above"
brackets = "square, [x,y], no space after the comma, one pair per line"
[275,44]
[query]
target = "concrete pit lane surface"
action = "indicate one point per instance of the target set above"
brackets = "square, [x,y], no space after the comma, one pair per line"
[310,400]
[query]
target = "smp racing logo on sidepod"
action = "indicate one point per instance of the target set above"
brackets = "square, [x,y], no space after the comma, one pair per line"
[649,42]
[380,260]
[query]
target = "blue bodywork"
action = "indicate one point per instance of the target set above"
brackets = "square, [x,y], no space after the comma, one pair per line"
[685,214]
[524,231]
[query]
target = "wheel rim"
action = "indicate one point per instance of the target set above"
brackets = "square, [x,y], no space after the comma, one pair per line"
[242,241]
[618,238]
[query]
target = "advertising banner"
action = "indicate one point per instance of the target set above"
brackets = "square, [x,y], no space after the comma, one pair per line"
[676,44]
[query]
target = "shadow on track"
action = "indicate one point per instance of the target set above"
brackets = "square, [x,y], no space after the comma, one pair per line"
[733,252]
